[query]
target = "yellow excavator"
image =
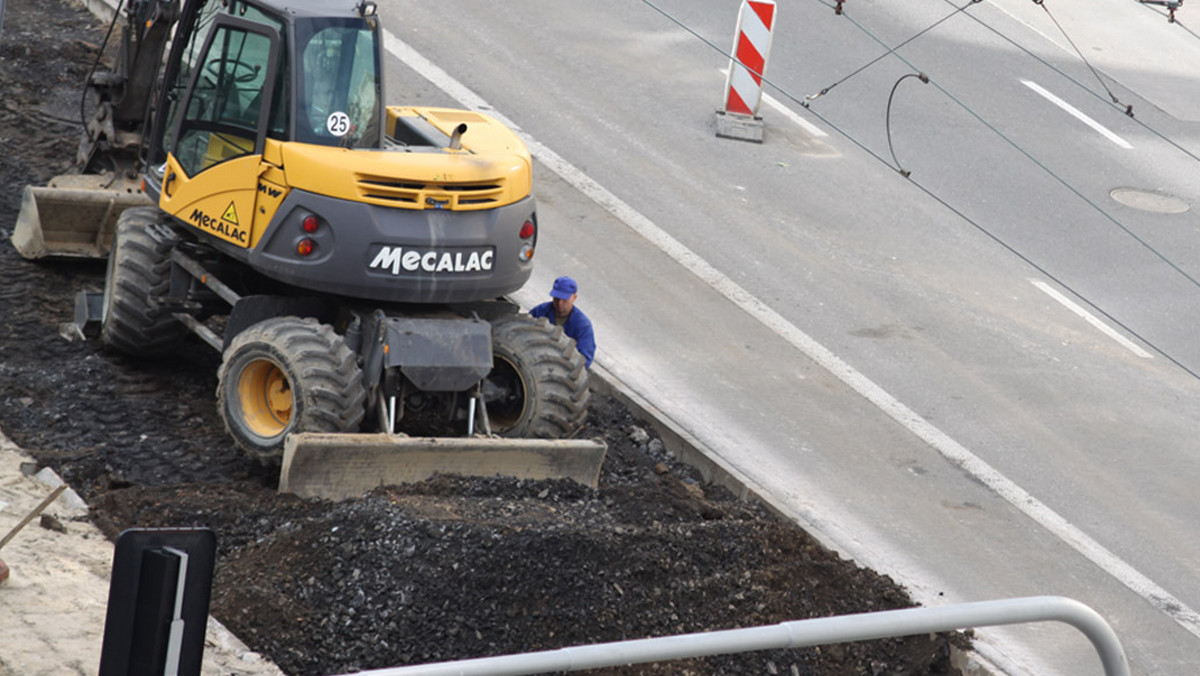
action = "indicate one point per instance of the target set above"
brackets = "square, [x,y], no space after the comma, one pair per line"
[350,260]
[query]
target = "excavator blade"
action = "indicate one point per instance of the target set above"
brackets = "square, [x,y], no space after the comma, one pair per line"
[74,217]
[340,466]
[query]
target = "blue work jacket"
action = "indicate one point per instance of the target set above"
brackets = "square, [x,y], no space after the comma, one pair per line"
[577,326]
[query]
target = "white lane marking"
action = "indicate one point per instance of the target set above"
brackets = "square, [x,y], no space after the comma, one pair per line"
[812,129]
[1091,319]
[955,452]
[1078,114]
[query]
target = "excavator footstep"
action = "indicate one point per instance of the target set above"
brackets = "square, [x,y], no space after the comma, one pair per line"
[341,466]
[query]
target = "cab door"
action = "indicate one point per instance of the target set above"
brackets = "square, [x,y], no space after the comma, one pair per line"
[214,159]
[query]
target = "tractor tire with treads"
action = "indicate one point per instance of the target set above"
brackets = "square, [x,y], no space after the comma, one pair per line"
[538,385]
[284,375]
[139,268]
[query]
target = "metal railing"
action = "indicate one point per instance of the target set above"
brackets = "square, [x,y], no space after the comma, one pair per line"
[798,634]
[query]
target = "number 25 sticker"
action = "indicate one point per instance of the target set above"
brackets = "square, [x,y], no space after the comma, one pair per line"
[338,124]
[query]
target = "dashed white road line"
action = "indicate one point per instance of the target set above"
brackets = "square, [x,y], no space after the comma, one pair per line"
[1078,114]
[953,451]
[1091,319]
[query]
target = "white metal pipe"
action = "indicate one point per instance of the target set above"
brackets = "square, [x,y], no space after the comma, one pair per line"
[471,416]
[797,634]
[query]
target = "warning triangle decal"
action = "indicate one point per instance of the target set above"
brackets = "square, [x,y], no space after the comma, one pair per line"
[230,214]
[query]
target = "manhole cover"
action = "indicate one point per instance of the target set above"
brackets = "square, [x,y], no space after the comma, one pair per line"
[1148,200]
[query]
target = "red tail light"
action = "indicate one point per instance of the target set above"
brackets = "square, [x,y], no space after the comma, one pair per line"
[310,224]
[527,230]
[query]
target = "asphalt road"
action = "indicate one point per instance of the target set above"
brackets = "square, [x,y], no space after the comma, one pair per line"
[980,379]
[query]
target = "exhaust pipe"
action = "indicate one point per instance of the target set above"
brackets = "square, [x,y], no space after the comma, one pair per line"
[456,137]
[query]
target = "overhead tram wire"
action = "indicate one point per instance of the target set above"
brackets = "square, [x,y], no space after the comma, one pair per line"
[1076,82]
[1146,245]
[951,208]
[1115,100]
[1174,266]
[1015,252]
[888,118]
[1170,16]
[1187,30]
[700,37]
[890,50]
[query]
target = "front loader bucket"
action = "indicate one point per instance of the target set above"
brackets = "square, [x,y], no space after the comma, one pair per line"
[74,217]
[340,466]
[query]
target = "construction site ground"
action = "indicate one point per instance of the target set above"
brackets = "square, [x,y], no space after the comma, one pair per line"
[442,570]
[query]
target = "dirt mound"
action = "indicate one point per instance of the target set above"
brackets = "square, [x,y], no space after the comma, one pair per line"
[446,569]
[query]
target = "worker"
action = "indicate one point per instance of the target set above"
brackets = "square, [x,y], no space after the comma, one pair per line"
[561,310]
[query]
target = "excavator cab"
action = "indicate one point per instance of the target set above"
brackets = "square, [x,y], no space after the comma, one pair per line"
[245,78]
[239,81]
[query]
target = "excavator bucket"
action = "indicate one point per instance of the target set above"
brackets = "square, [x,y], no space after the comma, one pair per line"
[341,466]
[73,217]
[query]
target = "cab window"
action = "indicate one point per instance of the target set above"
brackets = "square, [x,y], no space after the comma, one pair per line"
[339,102]
[190,58]
[277,125]
[221,121]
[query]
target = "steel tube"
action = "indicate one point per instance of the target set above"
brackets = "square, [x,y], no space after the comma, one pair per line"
[797,634]
[195,326]
[196,270]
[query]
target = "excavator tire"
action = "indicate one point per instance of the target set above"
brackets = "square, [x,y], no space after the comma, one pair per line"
[286,375]
[139,268]
[543,378]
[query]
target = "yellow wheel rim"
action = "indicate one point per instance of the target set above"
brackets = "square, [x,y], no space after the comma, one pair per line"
[266,398]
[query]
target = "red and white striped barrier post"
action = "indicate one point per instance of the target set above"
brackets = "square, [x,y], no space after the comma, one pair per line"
[738,118]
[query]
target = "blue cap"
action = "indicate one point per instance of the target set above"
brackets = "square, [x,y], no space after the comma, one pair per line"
[564,287]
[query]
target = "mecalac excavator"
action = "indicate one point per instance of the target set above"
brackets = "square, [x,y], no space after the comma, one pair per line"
[349,260]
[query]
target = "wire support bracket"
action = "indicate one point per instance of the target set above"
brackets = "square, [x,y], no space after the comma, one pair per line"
[1170,5]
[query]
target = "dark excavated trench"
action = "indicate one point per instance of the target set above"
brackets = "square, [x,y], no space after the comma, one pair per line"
[446,569]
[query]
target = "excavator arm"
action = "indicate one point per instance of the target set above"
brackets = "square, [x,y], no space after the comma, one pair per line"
[75,215]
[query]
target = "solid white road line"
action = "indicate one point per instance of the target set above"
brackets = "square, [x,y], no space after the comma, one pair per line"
[812,129]
[1078,114]
[792,115]
[1091,319]
[953,451]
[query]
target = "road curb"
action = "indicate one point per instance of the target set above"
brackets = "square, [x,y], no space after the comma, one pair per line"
[715,470]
